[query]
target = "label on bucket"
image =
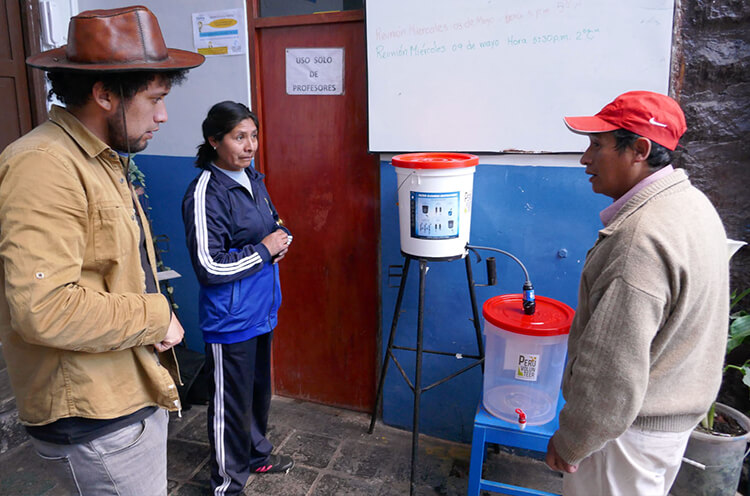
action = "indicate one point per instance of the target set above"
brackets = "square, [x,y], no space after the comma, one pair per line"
[528,367]
[434,215]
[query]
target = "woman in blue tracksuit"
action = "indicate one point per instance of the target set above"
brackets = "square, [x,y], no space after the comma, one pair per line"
[235,242]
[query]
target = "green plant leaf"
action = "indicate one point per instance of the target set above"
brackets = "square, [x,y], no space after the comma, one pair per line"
[746,378]
[736,298]
[136,175]
[708,421]
[739,329]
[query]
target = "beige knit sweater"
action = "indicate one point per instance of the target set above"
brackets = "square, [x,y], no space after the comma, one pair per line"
[647,343]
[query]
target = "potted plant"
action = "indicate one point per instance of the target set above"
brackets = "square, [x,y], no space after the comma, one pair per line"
[717,447]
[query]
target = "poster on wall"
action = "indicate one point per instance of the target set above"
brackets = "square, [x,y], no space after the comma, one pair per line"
[219,33]
[314,71]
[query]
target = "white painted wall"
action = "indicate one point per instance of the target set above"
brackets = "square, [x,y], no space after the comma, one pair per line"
[218,79]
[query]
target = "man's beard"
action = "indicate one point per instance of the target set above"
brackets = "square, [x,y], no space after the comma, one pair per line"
[118,139]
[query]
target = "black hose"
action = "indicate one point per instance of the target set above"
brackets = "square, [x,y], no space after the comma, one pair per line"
[526,272]
[529,300]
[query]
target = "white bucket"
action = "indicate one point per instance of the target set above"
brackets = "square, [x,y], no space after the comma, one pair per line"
[434,203]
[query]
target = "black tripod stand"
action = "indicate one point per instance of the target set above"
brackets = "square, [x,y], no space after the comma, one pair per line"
[416,387]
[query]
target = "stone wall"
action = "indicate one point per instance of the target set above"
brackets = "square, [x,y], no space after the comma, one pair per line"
[711,80]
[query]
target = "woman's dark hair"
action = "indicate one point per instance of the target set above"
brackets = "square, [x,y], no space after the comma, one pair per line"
[73,88]
[221,119]
[659,157]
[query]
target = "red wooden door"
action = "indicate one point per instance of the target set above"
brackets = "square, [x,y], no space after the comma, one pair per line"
[326,188]
[15,106]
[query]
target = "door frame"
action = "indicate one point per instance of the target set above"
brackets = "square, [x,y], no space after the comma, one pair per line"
[35,78]
[23,40]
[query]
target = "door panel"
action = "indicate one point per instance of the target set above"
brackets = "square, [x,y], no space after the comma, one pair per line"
[326,188]
[14,91]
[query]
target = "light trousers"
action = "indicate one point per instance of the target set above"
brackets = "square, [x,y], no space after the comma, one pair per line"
[639,462]
[131,461]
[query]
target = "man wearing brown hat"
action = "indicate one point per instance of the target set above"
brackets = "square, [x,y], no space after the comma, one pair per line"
[646,345]
[86,334]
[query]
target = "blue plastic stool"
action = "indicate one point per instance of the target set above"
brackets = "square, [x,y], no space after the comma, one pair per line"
[490,429]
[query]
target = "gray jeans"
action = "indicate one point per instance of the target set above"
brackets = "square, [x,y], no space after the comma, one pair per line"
[130,461]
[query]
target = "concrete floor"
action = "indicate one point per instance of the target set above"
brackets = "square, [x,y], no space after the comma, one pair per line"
[333,455]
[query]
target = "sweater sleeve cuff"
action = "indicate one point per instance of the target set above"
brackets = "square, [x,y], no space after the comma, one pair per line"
[565,451]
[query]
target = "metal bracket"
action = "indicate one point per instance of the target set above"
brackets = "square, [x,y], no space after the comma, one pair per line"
[397,272]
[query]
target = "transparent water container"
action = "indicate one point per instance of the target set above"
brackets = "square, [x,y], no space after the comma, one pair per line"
[524,357]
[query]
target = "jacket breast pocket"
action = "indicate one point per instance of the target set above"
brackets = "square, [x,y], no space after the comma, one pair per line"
[111,231]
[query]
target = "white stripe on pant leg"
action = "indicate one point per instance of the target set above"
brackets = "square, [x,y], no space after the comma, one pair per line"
[217,351]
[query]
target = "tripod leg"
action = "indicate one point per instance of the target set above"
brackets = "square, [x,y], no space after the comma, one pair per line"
[418,377]
[387,357]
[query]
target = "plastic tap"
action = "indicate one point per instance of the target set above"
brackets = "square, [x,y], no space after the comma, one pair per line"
[521,418]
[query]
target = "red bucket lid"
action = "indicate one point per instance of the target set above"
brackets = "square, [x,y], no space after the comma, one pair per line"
[435,160]
[552,317]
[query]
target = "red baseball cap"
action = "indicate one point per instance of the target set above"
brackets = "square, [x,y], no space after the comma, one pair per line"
[645,113]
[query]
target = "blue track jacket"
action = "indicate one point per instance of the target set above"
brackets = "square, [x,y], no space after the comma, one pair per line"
[240,291]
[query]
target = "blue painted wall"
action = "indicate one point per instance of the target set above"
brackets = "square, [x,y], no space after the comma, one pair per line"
[167,179]
[531,212]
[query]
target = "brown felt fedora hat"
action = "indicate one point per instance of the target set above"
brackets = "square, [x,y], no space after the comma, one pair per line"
[115,40]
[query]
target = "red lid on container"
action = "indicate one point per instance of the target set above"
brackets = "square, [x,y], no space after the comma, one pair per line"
[552,317]
[435,160]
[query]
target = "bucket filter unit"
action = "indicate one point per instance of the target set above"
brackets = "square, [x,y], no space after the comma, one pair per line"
[434,198]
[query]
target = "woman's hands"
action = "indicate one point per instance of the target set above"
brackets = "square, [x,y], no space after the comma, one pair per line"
[277,244]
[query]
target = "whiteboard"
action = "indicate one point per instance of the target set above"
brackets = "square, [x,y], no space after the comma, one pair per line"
[499,75]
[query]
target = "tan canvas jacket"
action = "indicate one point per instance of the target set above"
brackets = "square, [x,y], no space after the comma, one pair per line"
[76,327]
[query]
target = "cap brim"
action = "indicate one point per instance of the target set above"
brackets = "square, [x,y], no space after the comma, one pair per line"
[56,60]
[588,125]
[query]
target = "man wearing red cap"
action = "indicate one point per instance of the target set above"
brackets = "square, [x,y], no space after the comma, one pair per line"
[646,346]
[86,334]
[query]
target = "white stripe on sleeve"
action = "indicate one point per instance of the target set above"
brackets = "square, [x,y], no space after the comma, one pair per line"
[201,235]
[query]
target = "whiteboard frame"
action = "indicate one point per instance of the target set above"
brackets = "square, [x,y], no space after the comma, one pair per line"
[402,117]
